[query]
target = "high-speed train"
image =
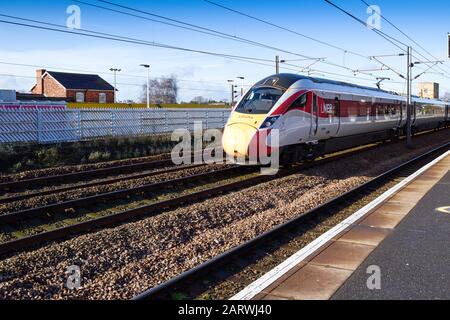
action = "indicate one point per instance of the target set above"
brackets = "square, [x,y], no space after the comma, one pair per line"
[316,116]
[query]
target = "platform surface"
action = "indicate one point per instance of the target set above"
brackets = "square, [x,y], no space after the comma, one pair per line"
[414,260]
[406,237]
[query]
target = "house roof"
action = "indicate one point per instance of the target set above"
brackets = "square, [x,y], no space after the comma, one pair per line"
[21,96]
[81,81]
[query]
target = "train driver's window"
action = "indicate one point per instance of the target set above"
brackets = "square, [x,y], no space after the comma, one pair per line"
[300,102]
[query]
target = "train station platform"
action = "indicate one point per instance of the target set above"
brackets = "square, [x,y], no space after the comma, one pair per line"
[397,247]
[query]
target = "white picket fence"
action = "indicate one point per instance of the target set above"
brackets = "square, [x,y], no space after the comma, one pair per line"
[61,125]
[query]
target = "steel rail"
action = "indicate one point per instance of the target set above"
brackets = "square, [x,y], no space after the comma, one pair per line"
[94,184]
[169,286]
[102,197]
[159,207]
[81,175]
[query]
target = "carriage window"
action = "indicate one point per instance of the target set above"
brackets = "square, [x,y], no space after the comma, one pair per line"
[393,110]
[259,100]
[300,102]
[380,110]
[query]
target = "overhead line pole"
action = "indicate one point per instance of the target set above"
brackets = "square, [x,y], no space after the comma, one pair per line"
[409,110]
[115,70]
[277,64]
[233,86]
[147,66]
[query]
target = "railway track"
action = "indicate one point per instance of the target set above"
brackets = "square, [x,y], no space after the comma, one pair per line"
[67,209]
[23,185]
[81,175]
[202,278]
[251,178]
[92,184]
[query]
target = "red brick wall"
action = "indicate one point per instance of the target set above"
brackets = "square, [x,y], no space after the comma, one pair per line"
[37,89]
[50,87]
[91,96]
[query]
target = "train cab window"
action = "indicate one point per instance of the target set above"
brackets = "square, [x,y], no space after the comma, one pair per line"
[300,102]
[259,100]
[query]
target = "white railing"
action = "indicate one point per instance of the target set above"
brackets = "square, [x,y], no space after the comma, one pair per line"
[60,125]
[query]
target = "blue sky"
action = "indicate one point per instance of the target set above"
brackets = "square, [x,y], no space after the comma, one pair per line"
[426,21]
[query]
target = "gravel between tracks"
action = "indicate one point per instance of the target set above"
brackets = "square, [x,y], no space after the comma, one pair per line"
[121,262]
[77,168]
[85,192]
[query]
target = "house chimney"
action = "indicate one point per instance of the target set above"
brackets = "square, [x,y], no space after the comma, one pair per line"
[39,89]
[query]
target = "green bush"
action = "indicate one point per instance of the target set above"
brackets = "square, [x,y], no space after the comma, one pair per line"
[25,156]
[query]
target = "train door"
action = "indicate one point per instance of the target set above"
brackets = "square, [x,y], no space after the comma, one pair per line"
[414,113]
[400,120]
[314,115]
[332,122]
[326,122]
[337,111]
[447,113]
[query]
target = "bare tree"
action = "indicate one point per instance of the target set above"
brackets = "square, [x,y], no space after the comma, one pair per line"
[162,91]
[446,96]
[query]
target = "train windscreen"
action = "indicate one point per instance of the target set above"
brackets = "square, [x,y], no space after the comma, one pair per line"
[259,100]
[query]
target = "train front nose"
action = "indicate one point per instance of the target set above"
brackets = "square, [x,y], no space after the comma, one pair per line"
[237,139]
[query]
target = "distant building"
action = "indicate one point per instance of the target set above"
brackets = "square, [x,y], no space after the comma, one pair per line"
[21,96]
[73,87]
[12,100]
[7,95]
[429,90]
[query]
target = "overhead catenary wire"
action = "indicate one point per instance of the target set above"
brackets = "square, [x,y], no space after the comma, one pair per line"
[161,22]
[341,76]
[133,40]
[384,35]
[232,37]
[345,51]
[95,34]
[223,34]
[286,29]
[389,38]
[408,37]
[108,36]
[122,74]
[124,84]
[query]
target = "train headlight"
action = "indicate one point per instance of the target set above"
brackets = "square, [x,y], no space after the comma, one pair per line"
[269,122]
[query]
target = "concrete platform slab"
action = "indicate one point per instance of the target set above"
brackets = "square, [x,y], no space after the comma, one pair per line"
[401,232]
[312,283]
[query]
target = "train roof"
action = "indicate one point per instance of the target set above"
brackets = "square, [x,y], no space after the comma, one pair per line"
[286,80]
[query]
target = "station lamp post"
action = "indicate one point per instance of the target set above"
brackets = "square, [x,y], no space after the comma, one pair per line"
[277,64]
[115,70]
[147,66]
[233,91]
[242,88]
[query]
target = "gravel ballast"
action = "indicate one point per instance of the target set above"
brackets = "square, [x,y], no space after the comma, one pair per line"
[82,192]
[121,262]
[30,174]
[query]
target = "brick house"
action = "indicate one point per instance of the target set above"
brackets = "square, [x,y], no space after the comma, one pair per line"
[73,87]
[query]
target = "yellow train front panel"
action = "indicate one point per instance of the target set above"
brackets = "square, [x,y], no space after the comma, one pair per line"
[240,132]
